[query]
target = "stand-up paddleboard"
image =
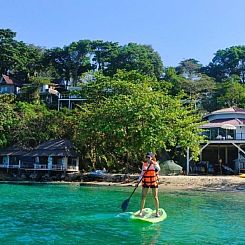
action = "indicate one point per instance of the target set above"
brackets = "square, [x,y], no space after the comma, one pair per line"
[149,215]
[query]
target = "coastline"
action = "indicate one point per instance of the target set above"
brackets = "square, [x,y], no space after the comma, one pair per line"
[204,183]
[166,183]
[182,182]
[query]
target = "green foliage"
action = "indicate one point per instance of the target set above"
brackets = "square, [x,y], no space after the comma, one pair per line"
[79,57]
[141,58]
[231,93]
[189,69]
[103,53]
[228,62]
[129,108]
[16,57]
[198,88]
[36,124]
[31,92]
[7,50]
[71,61]
[128,118]
[8,119]
[100,87]
[30,129]
[28,125]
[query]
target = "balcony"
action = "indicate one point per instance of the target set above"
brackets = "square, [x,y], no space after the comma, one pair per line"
[9,165]
[40,166]
[224,134]
[240,136]
[57,167]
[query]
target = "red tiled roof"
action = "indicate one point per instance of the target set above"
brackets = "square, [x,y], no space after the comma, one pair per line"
[11,81]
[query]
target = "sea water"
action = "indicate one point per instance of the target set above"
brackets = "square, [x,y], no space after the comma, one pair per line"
[73,214]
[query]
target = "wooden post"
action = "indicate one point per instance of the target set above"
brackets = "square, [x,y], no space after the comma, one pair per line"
[238,159]
[187,160]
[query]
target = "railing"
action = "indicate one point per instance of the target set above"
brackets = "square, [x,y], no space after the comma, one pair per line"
[13,166]
[72,167]
[28,165]
[237,136]
[71,96]
[36,166]
[45,166]
[9,166]
[40,166]
[57,167]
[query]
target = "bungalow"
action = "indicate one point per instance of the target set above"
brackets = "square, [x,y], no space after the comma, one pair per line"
[225,146]
[9,85]
[53,155]
[10,158]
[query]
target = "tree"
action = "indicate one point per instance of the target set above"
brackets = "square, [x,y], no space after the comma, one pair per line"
[7,50]
[189,68]
[37,124]
[18,58]
[228,62]
[198,91]
[8,119]
[175,79]
[31,91]
[231,93]
[122,126]
[71,61]
[79,57]
[103,53]
[28,125]
[141,58]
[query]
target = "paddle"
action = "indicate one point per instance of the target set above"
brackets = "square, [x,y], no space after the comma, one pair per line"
[124,205]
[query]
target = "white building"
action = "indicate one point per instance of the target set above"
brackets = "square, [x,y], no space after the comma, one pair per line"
[225,146]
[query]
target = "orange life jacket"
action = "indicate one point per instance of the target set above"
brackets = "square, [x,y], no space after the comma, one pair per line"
[150,177]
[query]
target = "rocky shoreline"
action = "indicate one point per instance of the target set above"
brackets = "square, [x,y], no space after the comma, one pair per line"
[180,182]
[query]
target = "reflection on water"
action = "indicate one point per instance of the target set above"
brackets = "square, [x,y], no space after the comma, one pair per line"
[150,234]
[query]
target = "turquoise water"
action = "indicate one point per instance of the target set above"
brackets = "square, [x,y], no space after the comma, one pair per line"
[70,214]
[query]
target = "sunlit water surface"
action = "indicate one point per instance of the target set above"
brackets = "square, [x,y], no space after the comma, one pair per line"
[70,214]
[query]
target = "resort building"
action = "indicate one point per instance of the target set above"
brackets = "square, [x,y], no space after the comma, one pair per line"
[53,155]
[224,151]
[9,85]
[58,95]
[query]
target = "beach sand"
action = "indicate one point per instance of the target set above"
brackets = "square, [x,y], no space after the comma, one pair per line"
[181,182]
[225,183]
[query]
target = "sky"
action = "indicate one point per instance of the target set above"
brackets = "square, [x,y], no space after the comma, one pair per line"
[176,29]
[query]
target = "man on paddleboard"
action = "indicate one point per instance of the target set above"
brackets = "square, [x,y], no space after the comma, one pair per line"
[149,175]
